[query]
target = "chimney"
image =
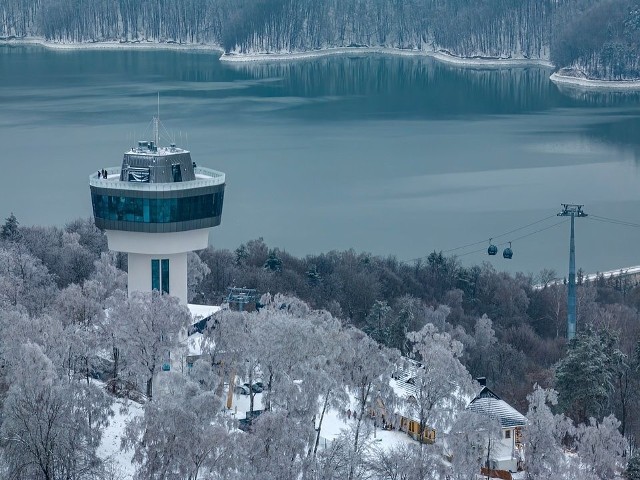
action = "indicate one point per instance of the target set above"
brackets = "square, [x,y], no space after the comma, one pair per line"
[482,381]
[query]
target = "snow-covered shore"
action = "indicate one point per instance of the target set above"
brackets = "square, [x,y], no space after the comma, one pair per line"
[442,56]
[110,45]
[438,55]
[279,57]
[582,82]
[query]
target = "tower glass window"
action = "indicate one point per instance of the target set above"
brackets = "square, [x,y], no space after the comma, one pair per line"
[157,210]
[165,275]
[160,275]
[155,274]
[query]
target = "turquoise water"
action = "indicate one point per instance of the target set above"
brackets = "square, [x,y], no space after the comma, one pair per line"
[390,155]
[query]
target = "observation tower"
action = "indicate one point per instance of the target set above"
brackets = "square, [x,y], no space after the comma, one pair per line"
[157,207]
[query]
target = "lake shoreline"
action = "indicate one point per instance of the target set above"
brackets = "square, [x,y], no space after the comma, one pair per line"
[111,45]
[438,55]
[591,84]
[443,56]
[477,62]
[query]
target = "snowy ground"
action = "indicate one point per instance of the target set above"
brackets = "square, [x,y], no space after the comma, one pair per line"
[333,424]
[109,449]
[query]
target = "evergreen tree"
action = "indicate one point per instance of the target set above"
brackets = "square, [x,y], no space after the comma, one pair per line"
[273,262]
[633,467]
[377,322]
[585,376]
[10,230]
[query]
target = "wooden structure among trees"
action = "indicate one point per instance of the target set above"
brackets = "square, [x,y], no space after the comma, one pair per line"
[404,419]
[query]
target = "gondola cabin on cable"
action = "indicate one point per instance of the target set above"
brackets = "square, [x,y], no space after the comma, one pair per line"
[507,252]
[492,250]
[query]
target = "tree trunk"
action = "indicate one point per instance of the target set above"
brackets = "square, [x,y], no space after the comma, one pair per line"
[116,358]
[355,444]
[324,409]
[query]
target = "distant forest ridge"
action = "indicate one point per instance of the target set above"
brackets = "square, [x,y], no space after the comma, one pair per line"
[597,39]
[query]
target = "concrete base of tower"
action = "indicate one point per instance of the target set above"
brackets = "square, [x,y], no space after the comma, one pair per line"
[165,272]
[158,260]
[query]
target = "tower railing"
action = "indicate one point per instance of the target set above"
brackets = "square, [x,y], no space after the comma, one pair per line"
[213,177]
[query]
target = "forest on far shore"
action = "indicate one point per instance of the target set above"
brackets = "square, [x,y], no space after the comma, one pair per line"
[597,39]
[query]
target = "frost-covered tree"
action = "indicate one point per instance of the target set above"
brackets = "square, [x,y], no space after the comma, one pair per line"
[108,275]
[442,385]
[180,435]
[543,435]
[51,429]
[601,447]
[299,351]
[196,271]
[469,442]
[481,351]
[24,280]
[80,310]
[368,366]
[406,462]
[146,328]
[276,447]
[89,236]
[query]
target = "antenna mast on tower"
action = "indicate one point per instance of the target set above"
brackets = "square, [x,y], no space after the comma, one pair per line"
[156,125]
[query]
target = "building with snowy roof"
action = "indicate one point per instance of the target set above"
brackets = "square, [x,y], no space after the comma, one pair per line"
[508,453]
[404,417]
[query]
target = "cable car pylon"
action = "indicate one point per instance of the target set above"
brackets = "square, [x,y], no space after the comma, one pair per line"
[572,211]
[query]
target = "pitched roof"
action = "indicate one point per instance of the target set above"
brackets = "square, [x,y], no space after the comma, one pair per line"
[490,404]
[402,380]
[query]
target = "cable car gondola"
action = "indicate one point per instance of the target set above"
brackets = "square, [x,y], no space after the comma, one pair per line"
[492,250]
[507,252]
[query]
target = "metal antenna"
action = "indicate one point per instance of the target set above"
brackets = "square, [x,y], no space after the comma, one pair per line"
[156,125]
[573,211]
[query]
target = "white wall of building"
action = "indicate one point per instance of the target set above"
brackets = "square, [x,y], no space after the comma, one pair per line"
[144,247]
[140,273]
[158,243]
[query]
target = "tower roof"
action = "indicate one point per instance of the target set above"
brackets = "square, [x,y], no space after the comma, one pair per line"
[149,163]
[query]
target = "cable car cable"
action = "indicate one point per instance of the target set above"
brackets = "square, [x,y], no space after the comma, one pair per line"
[517,238]
[486,239]
[613,221]
[498,236]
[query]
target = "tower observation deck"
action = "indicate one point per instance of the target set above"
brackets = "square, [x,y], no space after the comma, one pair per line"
[157,207]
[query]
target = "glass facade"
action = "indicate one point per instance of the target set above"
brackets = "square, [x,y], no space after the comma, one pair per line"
[164,275]
[160,274]
[157,210]
[155,274]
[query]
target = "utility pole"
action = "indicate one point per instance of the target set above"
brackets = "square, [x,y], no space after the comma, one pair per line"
[572,211]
